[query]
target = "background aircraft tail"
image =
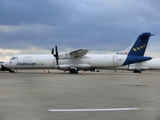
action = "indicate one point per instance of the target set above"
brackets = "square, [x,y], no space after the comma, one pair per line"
[139,47]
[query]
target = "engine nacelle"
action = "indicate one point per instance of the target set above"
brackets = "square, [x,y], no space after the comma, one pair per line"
[64,55]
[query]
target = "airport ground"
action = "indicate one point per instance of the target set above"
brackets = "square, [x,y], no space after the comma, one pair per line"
[29,94]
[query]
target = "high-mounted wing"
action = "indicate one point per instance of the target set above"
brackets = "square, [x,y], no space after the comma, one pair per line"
[72,54]
[79,53]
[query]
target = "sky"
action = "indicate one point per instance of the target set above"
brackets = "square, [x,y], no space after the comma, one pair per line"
[35,26]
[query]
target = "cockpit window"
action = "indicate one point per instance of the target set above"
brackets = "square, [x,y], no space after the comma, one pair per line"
[14,58]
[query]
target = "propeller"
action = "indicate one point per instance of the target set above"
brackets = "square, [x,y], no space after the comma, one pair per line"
[56,54]
[52,52]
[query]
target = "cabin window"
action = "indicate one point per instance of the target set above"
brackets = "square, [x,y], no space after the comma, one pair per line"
[14,58]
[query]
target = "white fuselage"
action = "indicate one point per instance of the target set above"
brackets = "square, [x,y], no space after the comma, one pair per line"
[47,61]
[30,62]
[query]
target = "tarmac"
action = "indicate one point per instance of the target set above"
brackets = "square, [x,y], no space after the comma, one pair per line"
[104,95]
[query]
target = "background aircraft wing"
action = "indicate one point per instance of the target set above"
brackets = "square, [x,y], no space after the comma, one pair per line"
[79,52]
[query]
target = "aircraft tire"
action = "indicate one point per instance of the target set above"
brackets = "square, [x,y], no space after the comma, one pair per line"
[12,70]
[137,71]
[73,71]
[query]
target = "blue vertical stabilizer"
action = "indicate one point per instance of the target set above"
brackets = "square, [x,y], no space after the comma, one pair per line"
[139,47]
[136,52]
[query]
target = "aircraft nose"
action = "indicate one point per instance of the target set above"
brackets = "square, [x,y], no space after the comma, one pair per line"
[5,64]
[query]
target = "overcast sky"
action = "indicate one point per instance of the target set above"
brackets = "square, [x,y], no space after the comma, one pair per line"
[35,26]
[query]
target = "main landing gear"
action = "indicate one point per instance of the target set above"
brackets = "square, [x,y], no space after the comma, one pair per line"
[73,70]
[137,71]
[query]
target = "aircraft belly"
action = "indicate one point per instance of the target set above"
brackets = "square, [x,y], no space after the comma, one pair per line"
[79,63]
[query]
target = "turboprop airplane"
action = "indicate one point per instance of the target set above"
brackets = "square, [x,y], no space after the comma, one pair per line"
[142,66]
[79,59]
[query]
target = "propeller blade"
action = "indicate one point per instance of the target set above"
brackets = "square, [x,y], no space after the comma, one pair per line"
[57,61]
[56,54]
[56,50]
[52,52]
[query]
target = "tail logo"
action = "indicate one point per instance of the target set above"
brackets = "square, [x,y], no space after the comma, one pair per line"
[139,48]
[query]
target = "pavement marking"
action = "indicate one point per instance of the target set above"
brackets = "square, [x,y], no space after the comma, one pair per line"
[93,110]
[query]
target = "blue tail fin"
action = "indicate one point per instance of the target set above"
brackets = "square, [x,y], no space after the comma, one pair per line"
[136,52]
[139,47]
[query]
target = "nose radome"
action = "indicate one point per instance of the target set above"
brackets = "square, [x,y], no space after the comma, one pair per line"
[5,64]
